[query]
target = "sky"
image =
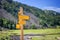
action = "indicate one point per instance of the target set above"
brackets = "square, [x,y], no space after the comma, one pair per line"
[43,4]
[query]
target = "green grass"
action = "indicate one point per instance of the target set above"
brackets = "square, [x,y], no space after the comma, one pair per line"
[52,34]
[4,36]
[37,31]
[47,37]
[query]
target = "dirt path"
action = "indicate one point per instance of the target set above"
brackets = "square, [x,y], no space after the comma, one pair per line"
[26,36]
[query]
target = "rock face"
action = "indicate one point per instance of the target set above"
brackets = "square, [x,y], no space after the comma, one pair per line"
[33,20]
[8,16]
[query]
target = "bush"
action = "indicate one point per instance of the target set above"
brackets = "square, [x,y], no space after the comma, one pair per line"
[58,27]
[33,26]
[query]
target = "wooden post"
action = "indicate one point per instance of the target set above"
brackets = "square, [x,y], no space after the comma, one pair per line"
[21,36]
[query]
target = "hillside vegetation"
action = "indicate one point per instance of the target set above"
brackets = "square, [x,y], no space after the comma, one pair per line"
[38,18]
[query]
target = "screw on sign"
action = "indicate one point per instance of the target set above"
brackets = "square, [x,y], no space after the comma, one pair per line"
[21,21]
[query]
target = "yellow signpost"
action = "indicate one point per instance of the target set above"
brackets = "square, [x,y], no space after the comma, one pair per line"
[21,21]
[24,17]
[17,26]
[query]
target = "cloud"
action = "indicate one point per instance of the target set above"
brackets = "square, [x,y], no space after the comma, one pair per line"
[52,8]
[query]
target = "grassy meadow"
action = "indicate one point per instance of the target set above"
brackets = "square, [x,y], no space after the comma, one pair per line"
[50,34]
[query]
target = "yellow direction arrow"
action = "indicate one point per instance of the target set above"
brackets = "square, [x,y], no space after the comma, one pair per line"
[24,17]
[17,26]
[22,22]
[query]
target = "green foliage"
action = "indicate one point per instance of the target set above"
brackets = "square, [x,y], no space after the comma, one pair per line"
[6,24]
[48,18]
[33,26]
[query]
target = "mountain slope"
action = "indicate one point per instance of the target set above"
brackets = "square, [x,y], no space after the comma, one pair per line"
[6,15]
[38,17]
